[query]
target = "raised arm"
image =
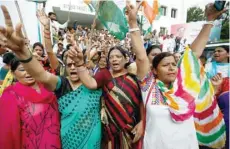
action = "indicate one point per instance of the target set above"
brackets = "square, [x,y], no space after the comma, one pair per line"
[201,40]
[137,42]
[76,55]
[14,40]
[45,21]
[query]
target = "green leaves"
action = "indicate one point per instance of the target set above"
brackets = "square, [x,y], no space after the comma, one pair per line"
[195,14]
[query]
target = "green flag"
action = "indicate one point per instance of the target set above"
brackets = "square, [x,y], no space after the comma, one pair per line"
[112,17]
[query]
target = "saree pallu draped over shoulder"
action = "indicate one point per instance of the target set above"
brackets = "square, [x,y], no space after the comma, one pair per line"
[122,98]
[80,117]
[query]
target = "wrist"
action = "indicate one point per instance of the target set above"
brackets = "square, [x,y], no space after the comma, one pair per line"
[80,64]
[133,25]
[47,27]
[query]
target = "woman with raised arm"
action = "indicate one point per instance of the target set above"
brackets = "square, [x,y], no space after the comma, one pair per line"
[79,107]
[177,96]
[26,122]
[122,108]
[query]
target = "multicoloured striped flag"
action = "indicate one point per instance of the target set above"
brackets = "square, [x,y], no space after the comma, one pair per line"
[192,94]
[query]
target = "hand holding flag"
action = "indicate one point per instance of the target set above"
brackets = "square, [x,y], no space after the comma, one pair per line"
[131,12]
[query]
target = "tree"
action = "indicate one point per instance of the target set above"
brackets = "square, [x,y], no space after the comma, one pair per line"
[195,14]
[225,28]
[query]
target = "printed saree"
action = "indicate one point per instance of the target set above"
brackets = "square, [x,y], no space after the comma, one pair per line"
[80,116]
[121,98]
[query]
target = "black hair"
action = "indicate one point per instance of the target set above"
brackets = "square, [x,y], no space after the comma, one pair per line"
[68,46]
[14,64]
[150,48]
[123,52]
[225,47]
[51,13]
[204,57]
[158,58]
[8,57]
[38,44]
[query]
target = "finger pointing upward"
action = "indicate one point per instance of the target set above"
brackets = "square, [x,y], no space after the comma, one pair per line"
[7,17]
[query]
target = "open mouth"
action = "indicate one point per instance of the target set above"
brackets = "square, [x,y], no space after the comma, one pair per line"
[115,65]
[73,73]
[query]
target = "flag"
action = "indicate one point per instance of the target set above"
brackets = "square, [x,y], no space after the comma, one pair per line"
[150,12]
[113,18]
[92,4]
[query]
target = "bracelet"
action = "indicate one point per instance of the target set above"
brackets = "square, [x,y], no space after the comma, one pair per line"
[209,22]
[27,60]
[133,29]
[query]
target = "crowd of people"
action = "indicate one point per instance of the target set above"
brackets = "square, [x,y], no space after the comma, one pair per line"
[84,89]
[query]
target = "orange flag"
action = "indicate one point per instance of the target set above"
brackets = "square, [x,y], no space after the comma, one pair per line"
[155,7]
[150,12]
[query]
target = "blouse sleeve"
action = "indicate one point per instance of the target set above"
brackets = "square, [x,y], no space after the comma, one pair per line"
[102,77]
[10,122]
[62,87]
[146,82]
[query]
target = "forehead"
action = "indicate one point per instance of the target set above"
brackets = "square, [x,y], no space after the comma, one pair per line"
[155,50]
[69,60]
[115,52]
[20,66]
[38,47]
[168,59]
[219,49]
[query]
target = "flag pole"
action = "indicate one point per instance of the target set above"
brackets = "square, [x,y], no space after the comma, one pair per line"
[94,21]
[69,10]
[21,19]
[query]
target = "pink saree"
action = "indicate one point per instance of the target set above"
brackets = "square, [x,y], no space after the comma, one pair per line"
[27,124]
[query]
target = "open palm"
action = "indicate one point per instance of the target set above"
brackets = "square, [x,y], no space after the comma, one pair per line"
[10,37]
[43,18]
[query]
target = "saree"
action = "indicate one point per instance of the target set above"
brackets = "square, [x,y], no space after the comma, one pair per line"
[121,98]
[80,116]
[25,122]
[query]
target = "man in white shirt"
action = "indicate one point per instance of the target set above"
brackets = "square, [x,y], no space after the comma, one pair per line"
[55,25]
[172,44]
